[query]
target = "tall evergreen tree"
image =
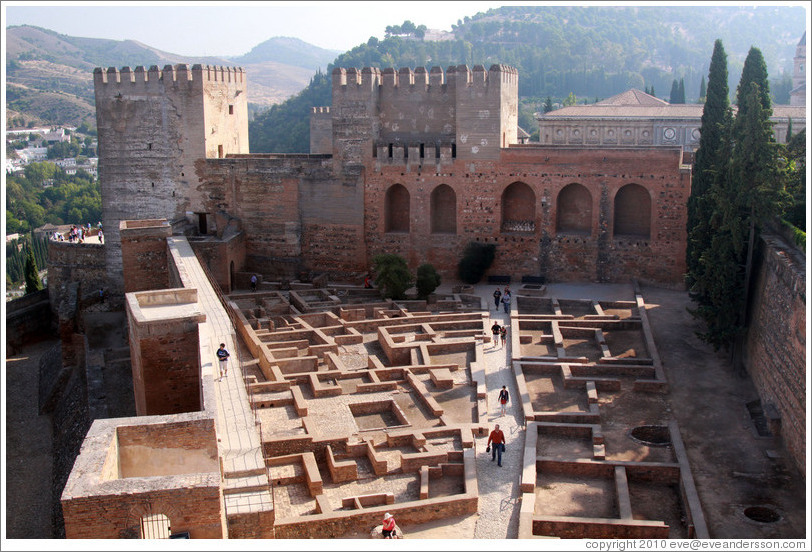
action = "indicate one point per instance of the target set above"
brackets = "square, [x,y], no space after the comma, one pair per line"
[702,91]
[748,193]
[707,162]
[674,97]
[32,281]
[681,91]
[754,70]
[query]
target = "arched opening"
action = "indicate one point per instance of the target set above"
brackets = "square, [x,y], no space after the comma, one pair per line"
[155,526]
[518,208]
[574,210]
[443,210]
[632,212]
[396,209]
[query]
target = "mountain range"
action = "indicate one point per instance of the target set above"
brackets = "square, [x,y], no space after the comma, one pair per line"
[593,52]
[49,76]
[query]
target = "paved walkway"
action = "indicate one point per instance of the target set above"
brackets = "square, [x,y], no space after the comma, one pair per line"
[237,433]
[499,487]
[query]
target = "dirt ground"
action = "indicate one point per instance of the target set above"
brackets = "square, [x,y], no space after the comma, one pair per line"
[732,467]
[28,461]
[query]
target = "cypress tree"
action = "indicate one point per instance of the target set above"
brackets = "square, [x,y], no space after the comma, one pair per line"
[744,195]
[681,91]
[702,90]
[32,281]
[674,97]
[715,115]
[754,70]
[652,91]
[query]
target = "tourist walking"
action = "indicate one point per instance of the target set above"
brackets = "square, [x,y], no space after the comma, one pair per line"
[496,329]
[498,439]
[506,301]
[253,282]
[101,236]
[503,335]
[222,356]
[497,296]
[504,397]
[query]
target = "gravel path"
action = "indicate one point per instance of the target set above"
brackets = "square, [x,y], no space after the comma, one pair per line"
[499,487]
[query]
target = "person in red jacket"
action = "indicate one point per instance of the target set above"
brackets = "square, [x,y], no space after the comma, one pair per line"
[498,439]
[388,526]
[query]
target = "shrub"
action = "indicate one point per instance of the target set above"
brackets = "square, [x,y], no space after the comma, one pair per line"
[392,275]
[427,280]
[476,259]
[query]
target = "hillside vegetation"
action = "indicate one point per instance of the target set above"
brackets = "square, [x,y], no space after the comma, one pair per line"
[54,72]
[591,53]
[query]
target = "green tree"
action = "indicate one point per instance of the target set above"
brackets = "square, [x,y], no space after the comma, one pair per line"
[702,91]
[681,91]
[743,197]
[427,280]
[754,70]
[32,281]
[708,163]
[392,275]
[570,100]
[476,260]
[674,97]
[548,104]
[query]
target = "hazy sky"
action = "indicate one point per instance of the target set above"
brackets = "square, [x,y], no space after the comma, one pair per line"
[233,28]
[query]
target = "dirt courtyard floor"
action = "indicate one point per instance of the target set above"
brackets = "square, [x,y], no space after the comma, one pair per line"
[733,468]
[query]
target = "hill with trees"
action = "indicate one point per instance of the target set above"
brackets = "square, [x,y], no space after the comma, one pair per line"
[562,51]
[49,76]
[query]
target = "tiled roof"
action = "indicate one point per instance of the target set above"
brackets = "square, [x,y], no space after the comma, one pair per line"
[633,97]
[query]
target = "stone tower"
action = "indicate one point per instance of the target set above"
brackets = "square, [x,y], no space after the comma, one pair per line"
[153,126]
[415,116]
[798,94]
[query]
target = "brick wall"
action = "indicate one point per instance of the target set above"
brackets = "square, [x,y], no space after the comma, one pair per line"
[26,318]
[144,254]
[74,262]
[776,340]
[560,256]
[194,508]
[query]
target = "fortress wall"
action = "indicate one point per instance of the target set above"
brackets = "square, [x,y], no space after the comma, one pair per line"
[321,130]
[295,214]
[560,256]
[75,262]
[413,111]
[776,339]
[487,110]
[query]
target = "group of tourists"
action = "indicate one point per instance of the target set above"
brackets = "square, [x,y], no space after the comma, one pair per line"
[503,298]
[78,234]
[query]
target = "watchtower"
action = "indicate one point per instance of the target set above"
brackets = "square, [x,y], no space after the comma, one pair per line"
[418,117]
[154,125]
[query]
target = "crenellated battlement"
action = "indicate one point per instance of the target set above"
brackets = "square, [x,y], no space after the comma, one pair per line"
[419,79]
[180,74]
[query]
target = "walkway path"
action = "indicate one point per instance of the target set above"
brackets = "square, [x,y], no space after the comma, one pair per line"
[499,494]
[237,433]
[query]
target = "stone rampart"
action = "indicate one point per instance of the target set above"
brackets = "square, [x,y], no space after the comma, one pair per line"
[76,262]
[776,340]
